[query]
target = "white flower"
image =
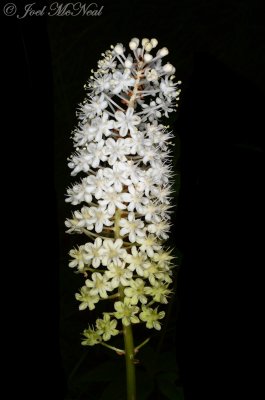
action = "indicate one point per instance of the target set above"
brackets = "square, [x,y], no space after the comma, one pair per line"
[154,273]
[107,327]
[160,229]
[81,161]
[159,172]
[84,218]
[95,107]
[152,110]
[73,225]
[93,252]
[112,199]
[117,176]
[113,251]
[136,260]
[136,291]
[85,133]
[101,84]
[86,298]
[118,274]
[79,259]
[159,291]
[96,184]
[151,75]
[108,62]
[163,258]
[104,126]
[122,81]
[138,141]
[152,212]
[149,244]
[126,121]
[135,199]
[97,153]
[163,194]
[134,227]
[78,193]
[91,337]
[99,285]
[133,171]
[149,154]
[100,218]
[168,88]
[146,182]
[126,311]
[155,133]
[116,150]
[151,317]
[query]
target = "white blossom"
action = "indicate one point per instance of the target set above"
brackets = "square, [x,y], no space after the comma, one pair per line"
[78,258]
[112,200]
[135,199]
[93,252]
[86,298]
[122,81]
[98,285]
[117,176]
[84,218]
[117,150]
[131,226]
[136,260]
[97,153]
[126,122]
[78,193]
[118,274]
[103,127]
[85,133]
[137,291]
[107,327]
[126,311]
[95,107]
[113,252]
[96,184]
[148,244]
[100,218]
[122,201]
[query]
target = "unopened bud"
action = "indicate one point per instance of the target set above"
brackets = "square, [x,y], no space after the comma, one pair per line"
[148,58]
[148,46]
[118,49]
[128,63]
[154,42]
[163,52]
[144,41]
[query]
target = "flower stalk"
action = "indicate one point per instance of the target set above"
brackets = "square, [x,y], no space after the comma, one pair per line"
[130,363]
[127,332]
[122,152]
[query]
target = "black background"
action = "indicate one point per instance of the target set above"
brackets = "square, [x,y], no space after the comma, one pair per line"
[218,50]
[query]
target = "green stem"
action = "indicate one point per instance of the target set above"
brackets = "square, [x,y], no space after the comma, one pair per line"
[141,345]
[130,367]
[127,330]
[118,351]
[129,357]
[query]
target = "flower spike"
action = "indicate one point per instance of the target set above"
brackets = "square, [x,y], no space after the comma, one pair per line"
[122,201]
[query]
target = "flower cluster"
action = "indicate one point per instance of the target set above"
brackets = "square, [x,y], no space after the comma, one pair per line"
[122,152]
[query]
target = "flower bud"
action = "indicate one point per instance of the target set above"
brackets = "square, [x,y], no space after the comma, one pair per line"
[163,52]
[154,42]
[148,57]
[144,41]
[118,49]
